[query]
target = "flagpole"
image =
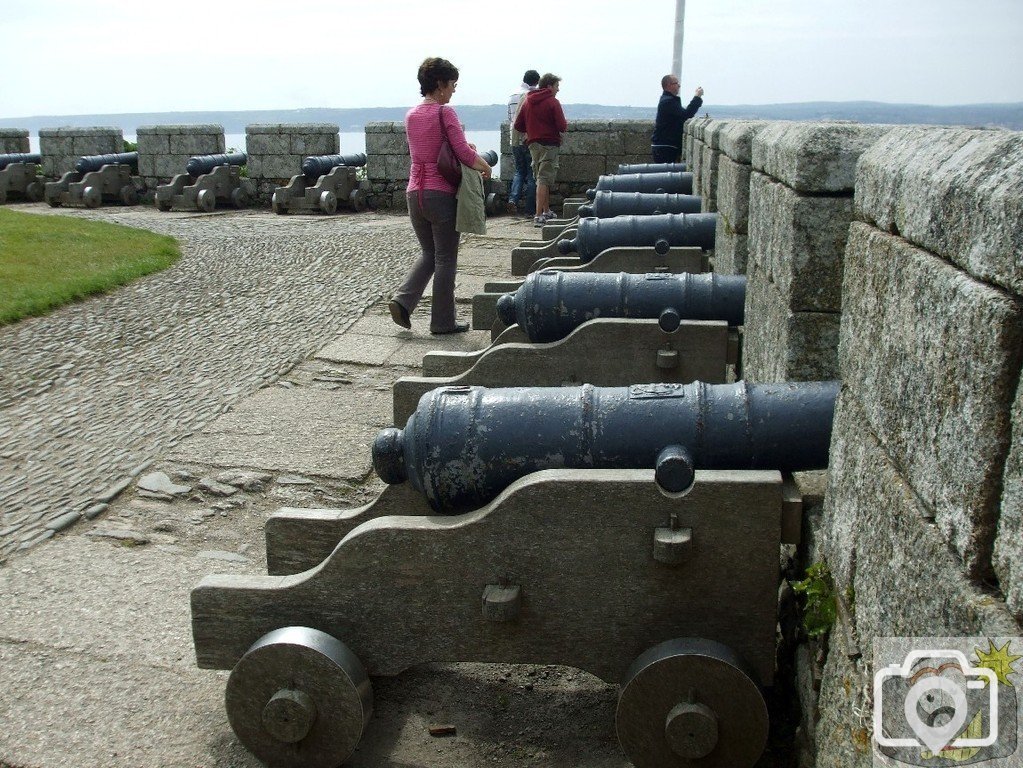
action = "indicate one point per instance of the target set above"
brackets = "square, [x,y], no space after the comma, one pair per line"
[680,19]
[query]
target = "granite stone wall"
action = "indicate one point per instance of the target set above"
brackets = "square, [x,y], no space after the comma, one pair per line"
[164,150]
[387,164]
[276,151]
[923,516]
[13,140]
[61,147]
[800,209]
[734,168]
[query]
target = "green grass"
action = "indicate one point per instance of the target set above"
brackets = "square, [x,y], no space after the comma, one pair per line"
[48,261]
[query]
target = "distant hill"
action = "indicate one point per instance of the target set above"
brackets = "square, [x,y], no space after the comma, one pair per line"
[489,117]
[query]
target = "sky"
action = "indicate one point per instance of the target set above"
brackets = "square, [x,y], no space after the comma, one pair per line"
[69,57]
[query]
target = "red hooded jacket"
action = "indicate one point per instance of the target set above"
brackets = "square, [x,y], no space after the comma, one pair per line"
[541,118]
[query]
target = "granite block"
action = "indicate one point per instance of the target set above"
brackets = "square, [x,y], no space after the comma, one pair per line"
[800,240]
[814,157]
[957,192]
[934,356]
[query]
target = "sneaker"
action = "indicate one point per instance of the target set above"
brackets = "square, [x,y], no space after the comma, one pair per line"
[511,208]
[539,221]
[548,215]
[459,328]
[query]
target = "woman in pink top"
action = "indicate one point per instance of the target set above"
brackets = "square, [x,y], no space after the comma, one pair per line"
[431,199]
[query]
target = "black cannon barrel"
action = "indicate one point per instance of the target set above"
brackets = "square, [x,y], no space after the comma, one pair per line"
[464,445]
[659,230]
[90,163]
[673,183]
[652,168]
[609,204]
[490,156]
[200,164]
[315,166]
[20,157]
[550,304]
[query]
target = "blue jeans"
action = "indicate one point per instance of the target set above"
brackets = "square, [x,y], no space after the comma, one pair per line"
[523,185]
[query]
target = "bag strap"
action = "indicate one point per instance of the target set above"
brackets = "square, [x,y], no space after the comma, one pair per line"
[444,128]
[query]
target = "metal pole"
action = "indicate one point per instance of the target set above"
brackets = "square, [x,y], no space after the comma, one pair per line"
[680,22]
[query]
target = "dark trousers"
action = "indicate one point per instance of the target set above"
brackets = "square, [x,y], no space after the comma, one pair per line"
[662,153]
[434,225]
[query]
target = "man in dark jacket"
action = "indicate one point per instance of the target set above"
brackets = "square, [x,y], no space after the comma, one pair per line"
[543,122]
[666,143]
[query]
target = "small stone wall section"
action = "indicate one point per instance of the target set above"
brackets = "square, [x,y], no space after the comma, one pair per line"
[924,508]
[734,168]
[387,164]
[164,150]
[276,151]
[800,209]
[61,147]
[13,140]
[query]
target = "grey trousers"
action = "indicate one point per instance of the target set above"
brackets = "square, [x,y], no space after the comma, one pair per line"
[434,225]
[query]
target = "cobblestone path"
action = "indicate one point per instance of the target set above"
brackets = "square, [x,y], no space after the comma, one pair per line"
[93,392]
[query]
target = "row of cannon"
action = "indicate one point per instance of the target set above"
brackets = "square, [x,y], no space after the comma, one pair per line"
[594,489]
[326,183]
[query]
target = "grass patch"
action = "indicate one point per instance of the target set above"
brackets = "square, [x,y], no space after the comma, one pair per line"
[48,261]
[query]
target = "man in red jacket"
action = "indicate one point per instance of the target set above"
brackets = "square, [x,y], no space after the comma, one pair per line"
[544,124]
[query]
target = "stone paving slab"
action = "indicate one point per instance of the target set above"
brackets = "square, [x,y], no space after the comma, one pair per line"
[326,434]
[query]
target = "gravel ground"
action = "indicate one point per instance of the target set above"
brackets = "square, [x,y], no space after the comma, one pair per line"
[93,392]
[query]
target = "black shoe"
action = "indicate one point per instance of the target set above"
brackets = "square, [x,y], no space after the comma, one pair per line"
[459,328]
[399,314]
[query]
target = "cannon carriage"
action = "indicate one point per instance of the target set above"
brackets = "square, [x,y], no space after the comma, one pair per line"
[326,183]
[208,181]
[97,179]
[526,506]
[19,177]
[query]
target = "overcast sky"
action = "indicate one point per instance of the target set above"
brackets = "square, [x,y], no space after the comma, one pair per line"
[112,56]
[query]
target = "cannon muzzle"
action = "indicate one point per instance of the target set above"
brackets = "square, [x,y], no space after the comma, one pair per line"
[550,304]
[464,445]
[200,164]
[490,156]
[20,157]
[90,163]
[674,229]
[315,166]
[651,168]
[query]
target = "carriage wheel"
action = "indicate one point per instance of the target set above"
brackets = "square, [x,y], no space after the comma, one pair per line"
[92,197]
[328,202]
[299,698]
[689,700]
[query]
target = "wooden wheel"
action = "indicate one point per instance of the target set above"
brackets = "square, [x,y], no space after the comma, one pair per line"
[689,700]
[238,198]
[129,195]
[299,698]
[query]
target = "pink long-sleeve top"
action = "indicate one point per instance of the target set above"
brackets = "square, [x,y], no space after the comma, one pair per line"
[424,140]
